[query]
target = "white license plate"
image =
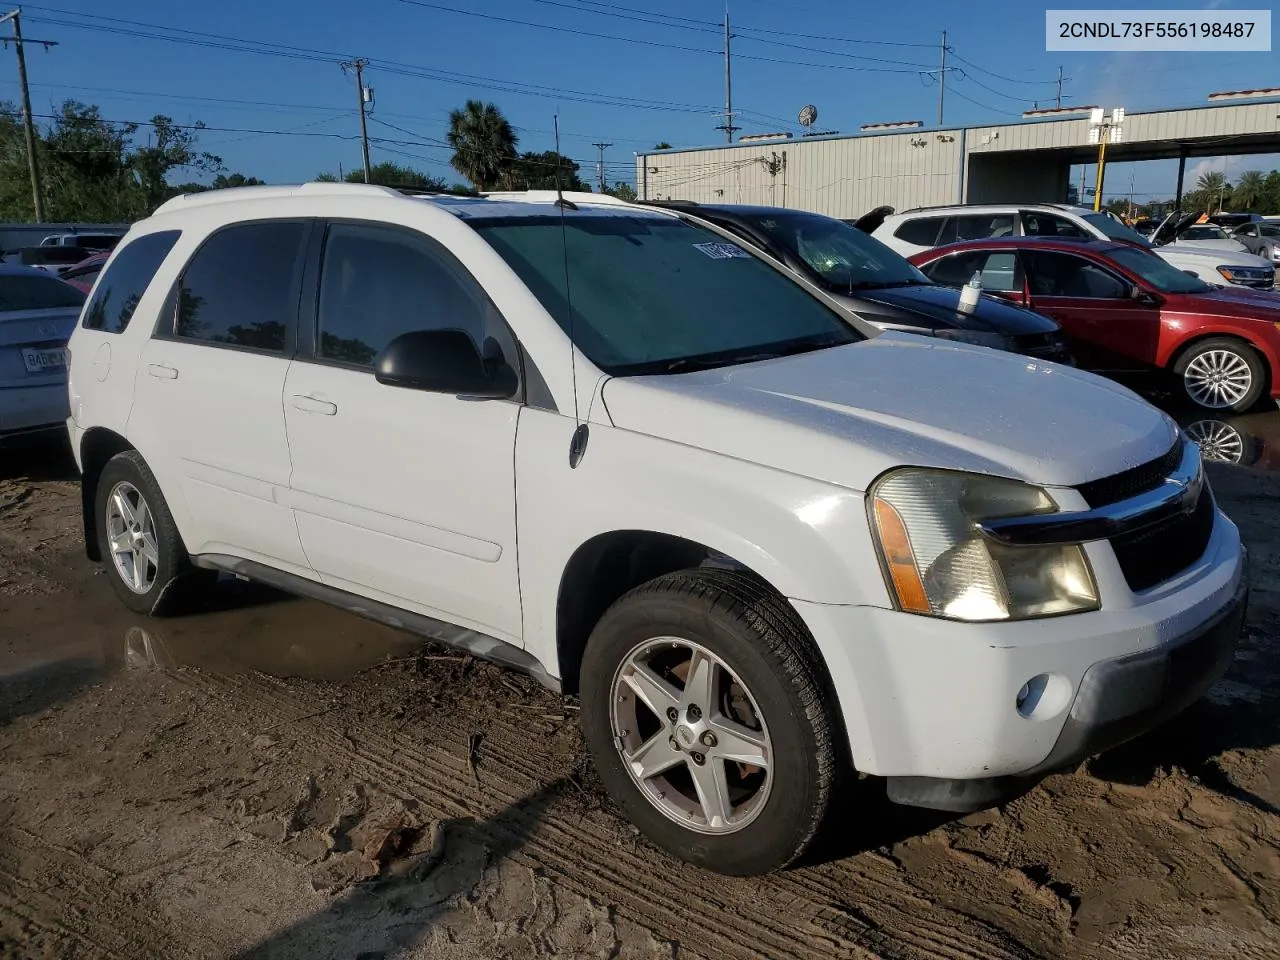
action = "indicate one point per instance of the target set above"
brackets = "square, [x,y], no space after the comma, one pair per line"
[38,361]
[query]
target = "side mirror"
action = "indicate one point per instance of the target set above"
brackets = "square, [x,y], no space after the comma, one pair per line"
[444,361]
[1192,273]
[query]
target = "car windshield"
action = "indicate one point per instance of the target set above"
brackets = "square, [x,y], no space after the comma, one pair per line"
[1115,230]
[842,257]
[1157,272]
[1205,231]
[648,293]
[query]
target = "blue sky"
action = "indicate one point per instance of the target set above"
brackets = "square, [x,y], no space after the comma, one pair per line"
[630,92]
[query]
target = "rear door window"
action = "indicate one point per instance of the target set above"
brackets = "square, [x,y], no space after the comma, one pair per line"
[126,280]
[983,226]
[240,290]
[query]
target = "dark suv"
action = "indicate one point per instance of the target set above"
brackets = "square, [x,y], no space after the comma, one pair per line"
[879,285]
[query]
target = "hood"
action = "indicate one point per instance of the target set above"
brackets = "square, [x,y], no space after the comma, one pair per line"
[1227,244]
[846,414]
[1205,258]
[935,305]
[1172,225]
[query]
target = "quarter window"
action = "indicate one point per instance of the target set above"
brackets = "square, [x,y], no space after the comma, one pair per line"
[920,232]
[377,283]
[240,289]
[116,298]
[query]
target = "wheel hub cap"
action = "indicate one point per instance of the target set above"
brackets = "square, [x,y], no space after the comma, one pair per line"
[130,526]
[1218,379]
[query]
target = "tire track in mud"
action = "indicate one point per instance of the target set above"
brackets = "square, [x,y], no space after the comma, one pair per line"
[74,900]
[867,911]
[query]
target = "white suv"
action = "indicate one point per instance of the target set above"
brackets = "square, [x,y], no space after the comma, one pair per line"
[764,544]
[914,231]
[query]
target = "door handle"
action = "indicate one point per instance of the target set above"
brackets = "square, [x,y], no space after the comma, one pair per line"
[162,371]
[312,405]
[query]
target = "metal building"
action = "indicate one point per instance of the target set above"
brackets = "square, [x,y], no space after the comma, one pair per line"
[1027,161]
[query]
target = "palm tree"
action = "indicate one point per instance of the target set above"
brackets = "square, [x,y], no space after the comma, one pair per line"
[1247,193]
[1212,190]
[484,143]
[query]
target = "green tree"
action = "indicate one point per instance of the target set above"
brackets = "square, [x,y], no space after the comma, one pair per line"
[1211,194]
[483,141]
[623,191]
[387,174]
[222,181]
[169,148]
[544,171]
[662,145]
[1247,194]
[1270,202]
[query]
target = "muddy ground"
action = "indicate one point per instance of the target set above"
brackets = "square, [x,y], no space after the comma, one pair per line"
[269,778]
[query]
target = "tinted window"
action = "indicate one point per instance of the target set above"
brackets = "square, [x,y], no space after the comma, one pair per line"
[651,294]
[1065,275]
[842,257]
[1048,225]
[377,283]
[37,293]
[974,226]
[922,231]
[131,272]
[240,289]
[999,270]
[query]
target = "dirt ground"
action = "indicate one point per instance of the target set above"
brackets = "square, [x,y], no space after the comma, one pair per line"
[269,778]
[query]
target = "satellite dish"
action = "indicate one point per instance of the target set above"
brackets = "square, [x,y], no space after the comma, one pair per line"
[808,115]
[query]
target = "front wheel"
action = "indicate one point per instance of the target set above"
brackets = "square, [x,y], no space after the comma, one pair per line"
[708,713]
[1222,374]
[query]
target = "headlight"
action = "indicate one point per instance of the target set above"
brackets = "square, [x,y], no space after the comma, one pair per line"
[983,338]
[938,564]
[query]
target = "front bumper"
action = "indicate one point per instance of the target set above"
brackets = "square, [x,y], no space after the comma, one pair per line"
[1117,701]
[927,702]
[36,407]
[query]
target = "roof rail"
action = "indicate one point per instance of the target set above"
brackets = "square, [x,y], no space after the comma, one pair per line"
[188,201]
[666,203]
[551,196]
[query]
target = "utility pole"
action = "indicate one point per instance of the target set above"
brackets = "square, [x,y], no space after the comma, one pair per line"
[365,95]
[1060,87]
[727,126]
[28,123]
[942,77]
[600,164]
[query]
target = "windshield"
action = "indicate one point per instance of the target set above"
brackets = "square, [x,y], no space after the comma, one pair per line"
[1205,231]
[841,256]
[1157,272]
[652,294]
[1115,230]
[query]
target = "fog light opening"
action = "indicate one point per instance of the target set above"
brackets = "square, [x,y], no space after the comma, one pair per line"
[1043,696]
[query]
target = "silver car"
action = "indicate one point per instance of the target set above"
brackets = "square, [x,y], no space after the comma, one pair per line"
[37,314]
[1260,238]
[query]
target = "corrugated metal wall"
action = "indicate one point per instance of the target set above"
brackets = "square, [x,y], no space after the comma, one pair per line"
[847,176]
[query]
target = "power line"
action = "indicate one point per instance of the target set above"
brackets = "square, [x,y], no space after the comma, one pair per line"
[998,76]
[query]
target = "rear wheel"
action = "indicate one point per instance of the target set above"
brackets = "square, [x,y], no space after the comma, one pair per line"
[1222,374]
[708,714]
[137,537]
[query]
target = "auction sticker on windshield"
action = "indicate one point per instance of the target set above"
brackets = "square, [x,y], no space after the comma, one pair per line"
[37,361]
[722,251]
[1235,31]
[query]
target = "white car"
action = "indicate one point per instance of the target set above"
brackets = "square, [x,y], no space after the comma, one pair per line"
[37,314]
[765,544]
[914,231]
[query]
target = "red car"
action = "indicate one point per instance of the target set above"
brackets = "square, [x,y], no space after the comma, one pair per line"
[1125,310]
[85,272]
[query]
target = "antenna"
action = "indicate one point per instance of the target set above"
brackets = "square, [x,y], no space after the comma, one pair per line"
[808,117]
[578,443]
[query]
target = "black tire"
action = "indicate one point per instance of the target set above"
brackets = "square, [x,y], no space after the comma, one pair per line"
[129,467]
[1259,374]
[763,642]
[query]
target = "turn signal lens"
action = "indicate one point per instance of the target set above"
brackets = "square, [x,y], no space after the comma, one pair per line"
[900,560]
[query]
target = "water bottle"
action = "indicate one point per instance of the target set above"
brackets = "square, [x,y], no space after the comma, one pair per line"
[970,293]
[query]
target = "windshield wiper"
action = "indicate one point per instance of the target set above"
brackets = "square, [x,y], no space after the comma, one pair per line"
[803,345]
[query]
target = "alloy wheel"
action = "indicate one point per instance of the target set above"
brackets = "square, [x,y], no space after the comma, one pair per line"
[131,532]
[691,736]
[1218,379]
[1218,441]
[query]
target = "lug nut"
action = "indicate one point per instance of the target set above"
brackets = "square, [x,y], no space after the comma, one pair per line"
[699,759]
[673,714]
[695,713]
[708,739]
